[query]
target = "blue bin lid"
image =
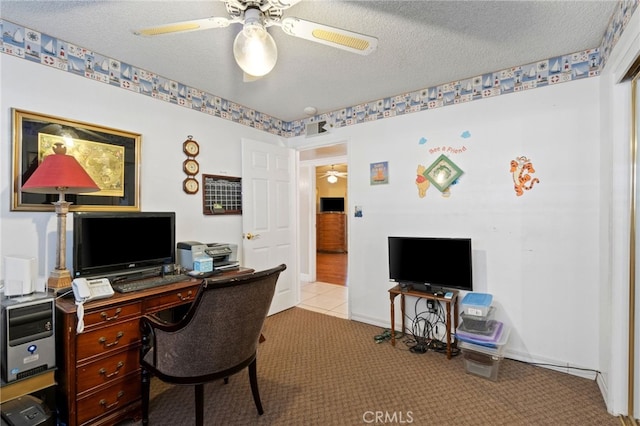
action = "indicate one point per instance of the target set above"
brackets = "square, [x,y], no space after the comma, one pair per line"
[478,299]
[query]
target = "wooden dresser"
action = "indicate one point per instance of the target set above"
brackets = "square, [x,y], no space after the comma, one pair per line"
[98,370]
[331,232]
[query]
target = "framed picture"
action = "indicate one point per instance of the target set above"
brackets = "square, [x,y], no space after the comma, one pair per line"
[111,157]
[379,173]
[442,173]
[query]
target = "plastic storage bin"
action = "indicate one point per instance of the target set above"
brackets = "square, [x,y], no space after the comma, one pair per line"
[493,334]
[484,361]
[482,365]
[491,341]
[479,325]
[477,304]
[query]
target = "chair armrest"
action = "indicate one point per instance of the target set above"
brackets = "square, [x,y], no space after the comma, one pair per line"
[154,322]
[148,325]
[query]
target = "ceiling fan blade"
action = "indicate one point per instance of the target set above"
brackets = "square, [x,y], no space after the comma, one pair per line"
[186,26]
[333,173]
[336,176]
[331,36]
[282,4]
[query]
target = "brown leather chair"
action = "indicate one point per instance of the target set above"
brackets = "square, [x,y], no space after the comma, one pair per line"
[217,337]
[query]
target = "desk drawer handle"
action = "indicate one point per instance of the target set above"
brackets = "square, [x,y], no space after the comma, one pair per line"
[106,406]
[103,371]
[107,318]
[102,340]
[182,298]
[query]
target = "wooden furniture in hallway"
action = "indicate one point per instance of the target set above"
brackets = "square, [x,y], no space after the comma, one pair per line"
[331,268]
[331,232]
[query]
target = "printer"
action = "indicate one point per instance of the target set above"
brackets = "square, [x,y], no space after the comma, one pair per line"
[201,257]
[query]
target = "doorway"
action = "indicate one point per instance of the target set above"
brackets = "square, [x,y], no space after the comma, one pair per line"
[331,223]
[317,291]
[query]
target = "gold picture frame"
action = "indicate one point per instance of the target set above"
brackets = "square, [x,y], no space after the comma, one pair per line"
[110,156]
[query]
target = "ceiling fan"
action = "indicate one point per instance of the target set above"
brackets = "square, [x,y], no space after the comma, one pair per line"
[254,49]
[332,175]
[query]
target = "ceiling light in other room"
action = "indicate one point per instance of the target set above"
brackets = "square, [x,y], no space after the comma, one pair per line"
[254,48]
[332,179]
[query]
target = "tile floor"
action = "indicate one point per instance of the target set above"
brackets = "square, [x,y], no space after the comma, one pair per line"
[329,299]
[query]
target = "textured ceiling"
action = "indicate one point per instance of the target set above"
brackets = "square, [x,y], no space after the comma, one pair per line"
[420,44]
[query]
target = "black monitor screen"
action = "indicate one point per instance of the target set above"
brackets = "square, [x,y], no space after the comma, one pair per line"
[331,204]
[436,262]
[107,244]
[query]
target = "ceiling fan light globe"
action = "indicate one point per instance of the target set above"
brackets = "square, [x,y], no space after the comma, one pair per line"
[255,50]
[332,179]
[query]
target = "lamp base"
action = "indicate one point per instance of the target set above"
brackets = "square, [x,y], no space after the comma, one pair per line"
[59,278]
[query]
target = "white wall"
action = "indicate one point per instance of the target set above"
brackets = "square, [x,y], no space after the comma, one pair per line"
[163,126]
[537,254]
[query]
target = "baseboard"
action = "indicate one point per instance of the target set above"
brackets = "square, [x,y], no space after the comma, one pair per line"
[370,320]
[553,364]
[305,278]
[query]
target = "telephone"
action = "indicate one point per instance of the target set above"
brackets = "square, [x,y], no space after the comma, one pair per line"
[85,290]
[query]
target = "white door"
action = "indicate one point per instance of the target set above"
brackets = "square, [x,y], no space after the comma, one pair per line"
[268,216]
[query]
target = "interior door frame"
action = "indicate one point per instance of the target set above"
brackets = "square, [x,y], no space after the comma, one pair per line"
[311,249]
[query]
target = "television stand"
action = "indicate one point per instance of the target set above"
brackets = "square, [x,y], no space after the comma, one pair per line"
[409,291]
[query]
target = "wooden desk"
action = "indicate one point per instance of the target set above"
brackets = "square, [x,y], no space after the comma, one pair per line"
[99,370]
[395,291]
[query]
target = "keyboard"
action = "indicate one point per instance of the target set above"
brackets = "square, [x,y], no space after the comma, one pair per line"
[143,284]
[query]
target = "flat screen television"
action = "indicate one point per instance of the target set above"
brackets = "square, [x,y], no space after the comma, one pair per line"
[331,204]
[431,264]
[115,244]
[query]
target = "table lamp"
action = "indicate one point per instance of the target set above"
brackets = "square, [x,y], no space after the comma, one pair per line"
[62,174]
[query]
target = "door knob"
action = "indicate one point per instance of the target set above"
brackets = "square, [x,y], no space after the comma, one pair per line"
[250,236]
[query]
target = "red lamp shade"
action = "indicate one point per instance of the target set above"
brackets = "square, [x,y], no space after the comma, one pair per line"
[60,173]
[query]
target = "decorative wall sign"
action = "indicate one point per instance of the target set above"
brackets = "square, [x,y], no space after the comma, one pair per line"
[442,173]
[222,195]
[111,157]
[379,173]
[521,168]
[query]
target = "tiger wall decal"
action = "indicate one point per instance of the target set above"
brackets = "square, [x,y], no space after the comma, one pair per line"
[521,170]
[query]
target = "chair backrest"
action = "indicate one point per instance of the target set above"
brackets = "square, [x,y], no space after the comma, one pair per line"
[222,328]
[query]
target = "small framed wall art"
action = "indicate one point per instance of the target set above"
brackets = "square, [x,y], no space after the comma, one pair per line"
[379,173]
[442,173]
